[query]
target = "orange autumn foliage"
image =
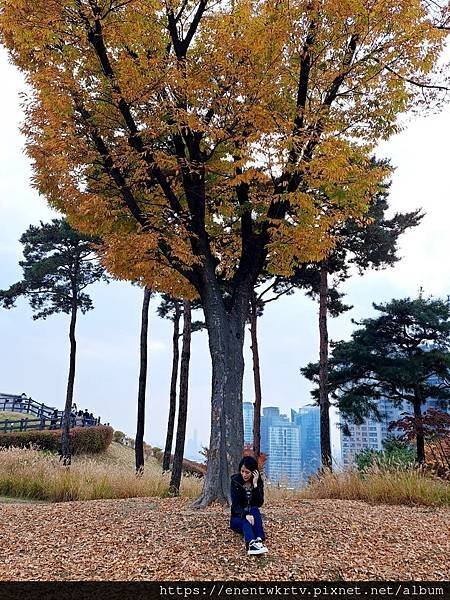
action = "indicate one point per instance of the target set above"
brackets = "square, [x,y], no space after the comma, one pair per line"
[170,128]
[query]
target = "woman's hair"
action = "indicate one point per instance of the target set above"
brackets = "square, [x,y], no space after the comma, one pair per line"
[249,463]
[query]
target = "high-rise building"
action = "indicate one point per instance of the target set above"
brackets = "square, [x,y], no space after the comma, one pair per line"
[248,411]
[193,447]
[371,433]
[280,441]
[308,419]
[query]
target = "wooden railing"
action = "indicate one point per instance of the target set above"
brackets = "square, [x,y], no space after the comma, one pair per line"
[45,417]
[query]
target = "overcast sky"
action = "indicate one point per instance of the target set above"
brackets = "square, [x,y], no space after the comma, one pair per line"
[34,354]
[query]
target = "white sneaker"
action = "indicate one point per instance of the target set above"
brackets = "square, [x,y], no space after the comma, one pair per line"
[261,543]
[255,547]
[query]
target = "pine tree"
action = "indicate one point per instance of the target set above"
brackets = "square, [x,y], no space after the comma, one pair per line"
[402,355]
[59,264]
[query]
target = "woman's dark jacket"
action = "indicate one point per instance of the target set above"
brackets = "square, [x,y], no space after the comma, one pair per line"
[240,506]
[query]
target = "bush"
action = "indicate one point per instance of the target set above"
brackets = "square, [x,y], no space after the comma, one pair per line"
[83,440]
[119,436]
[157,453]
[395,455]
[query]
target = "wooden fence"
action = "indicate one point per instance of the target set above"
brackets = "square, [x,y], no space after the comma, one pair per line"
[39,416]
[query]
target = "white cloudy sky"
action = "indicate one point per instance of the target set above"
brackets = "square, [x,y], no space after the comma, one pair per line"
[34,354]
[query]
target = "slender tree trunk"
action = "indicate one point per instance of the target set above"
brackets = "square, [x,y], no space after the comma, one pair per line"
[256,377]
[65,455]
[139,442]
[226,332]
[420,437]
[177,466]
[324,403]
[173,389]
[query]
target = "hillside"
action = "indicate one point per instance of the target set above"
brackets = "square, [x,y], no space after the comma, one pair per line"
[13,416]
[153,538]
[116,454]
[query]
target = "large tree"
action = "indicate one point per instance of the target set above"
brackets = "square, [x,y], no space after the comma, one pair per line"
[403,355]
[59,263]
[189,133]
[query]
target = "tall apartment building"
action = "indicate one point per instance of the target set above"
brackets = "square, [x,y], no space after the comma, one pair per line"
[308,419]
[280,440]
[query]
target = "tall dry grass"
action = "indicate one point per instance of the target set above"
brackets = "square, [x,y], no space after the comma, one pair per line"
[30,473]
[33,474]
[375,486]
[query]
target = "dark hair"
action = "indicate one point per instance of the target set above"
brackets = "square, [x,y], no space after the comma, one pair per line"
[249,463]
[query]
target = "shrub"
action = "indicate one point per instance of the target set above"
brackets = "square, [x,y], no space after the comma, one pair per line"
[157,453]
[119,436]
[83,440]
[395,455]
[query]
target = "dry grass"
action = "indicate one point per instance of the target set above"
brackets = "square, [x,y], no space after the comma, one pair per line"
[30,473]
[14,416]
[377,486]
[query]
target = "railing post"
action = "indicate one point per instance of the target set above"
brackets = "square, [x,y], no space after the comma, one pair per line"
[6,426]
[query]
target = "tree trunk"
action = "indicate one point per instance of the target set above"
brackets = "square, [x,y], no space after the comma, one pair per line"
[65,453]
[420,438]
[177,466]
[324,403]
[173,389]
[139,442]
[256,378]
[226,332]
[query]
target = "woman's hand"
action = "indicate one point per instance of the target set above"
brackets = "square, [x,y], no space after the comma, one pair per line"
[255,478]
[250,519]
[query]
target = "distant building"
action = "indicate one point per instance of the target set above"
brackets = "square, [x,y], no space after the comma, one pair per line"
[308,419]
[193,448]
[372,433]
[248,411]
[280,441]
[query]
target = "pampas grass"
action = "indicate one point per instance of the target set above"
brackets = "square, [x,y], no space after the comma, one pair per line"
[30,473]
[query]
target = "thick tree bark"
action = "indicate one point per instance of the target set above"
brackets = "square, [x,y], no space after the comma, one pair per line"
[324,403]
[65,454]
[256,377]
[139,441]
[226,332]
[173,389]
[177,465]
[420,438]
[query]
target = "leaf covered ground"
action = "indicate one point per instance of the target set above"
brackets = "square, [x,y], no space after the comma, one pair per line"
[165,539]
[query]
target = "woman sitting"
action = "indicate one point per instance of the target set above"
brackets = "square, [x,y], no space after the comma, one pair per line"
[247,495]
